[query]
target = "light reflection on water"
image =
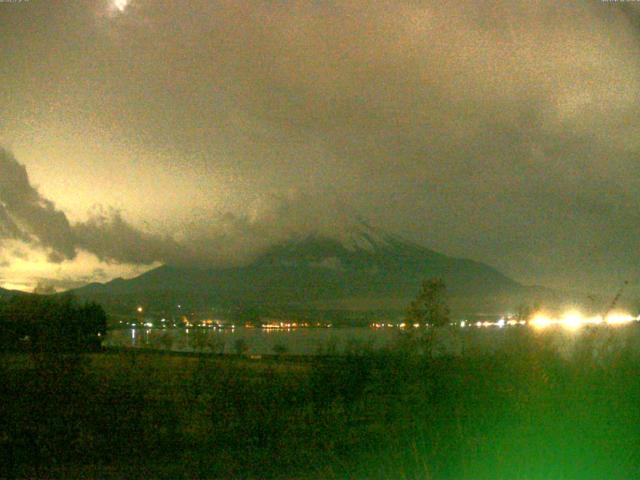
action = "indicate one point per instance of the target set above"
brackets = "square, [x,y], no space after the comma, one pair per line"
[313,341]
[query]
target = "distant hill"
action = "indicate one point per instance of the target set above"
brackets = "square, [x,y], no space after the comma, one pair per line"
[4,293]
[364,269]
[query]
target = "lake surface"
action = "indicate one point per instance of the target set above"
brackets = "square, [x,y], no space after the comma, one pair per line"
[314,341]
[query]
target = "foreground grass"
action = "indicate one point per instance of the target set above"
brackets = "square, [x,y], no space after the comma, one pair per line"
[524,414]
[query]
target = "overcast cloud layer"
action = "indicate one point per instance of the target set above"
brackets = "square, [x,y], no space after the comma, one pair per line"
[28,217]
[503,131]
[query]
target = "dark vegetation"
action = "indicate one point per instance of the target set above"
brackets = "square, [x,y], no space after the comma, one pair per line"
[522,414]
[39,323]
[430,306]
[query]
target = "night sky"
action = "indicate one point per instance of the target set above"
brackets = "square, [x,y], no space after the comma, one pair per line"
[198,132]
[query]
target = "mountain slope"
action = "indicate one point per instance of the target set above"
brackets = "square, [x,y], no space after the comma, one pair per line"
[362,266]
[4,293]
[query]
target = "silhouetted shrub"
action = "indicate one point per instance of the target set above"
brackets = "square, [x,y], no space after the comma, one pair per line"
[50,323]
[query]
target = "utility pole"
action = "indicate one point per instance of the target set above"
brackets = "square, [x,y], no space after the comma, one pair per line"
[614,302]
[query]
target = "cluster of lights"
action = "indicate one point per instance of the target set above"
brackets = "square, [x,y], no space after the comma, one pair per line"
[291,325]
[120,5]
[500,323]
[573,320]
[208,323]
[393,325]
[570,320]
[280,325]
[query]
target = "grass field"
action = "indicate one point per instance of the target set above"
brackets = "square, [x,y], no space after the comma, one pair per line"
[523,414]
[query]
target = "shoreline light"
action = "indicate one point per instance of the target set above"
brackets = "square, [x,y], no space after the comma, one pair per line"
[573,320]
[540,321]
[120,5]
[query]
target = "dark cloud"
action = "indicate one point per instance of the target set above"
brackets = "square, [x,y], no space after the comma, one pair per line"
[504,131]
[111,238]
[236,238]
[224,239]
[27,216]
[66,282]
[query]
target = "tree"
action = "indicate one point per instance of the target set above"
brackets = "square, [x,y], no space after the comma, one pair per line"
[524,312]
[430,306]
[93,321]
[43,288]
[51,323]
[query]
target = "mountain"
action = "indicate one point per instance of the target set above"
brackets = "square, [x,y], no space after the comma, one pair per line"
[4,293]
[359,269]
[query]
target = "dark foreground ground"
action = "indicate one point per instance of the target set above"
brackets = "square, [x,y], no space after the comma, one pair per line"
[522,414]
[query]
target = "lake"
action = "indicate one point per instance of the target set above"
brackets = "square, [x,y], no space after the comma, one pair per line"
[314,341]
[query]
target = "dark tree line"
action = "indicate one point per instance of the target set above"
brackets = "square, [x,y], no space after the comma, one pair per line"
[50,324]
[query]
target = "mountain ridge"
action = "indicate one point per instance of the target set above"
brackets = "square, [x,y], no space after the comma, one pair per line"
[6,293]
[313,271]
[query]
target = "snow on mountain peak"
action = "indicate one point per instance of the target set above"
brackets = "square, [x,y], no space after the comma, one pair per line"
[362,236]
